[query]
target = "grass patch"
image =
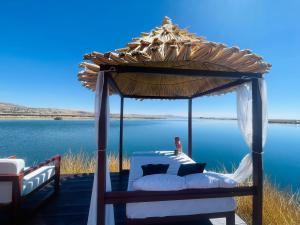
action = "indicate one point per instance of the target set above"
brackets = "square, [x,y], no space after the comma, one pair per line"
[280,207]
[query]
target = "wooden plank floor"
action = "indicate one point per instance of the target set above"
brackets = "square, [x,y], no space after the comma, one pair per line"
[71,206]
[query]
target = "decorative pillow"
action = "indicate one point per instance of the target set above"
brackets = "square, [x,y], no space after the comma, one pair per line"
[150,169]
[186,169]
[159,182]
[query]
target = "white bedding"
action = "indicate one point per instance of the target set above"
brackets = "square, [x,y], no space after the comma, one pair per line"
[170,208]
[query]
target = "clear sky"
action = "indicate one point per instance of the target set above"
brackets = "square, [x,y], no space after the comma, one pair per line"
[42,43]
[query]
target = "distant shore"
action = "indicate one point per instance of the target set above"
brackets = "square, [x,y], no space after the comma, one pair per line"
[9,111]
[278,121]
[75,117]
[45,118]
[130,117]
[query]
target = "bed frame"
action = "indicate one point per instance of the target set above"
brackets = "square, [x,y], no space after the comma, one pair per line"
[123,197]
[116,197]
[17,198]
[230,219]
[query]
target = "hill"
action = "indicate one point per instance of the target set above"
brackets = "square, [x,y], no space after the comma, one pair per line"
[13,110]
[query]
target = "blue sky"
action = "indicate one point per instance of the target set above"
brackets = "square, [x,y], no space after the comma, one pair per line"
[42,43]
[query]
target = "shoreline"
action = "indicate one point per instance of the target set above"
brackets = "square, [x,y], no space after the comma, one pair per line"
[274,121]
[58,117]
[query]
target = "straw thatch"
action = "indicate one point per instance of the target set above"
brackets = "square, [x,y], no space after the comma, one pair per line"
[170,46]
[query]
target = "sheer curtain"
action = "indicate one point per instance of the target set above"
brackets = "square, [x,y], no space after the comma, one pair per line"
[109,212]
[244,116]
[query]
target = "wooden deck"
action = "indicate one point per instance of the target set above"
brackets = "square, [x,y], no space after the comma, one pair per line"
[71,206]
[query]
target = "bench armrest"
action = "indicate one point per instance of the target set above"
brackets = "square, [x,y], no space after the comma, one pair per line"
[56,159]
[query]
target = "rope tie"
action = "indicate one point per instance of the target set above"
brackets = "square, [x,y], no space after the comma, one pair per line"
[258,153]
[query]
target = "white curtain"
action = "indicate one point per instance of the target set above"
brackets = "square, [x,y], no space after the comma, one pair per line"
[244,116]
[109,212]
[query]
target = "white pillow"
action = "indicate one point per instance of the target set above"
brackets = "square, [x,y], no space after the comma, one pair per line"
[159,182]
[225,180]
[201,180]
[208,180]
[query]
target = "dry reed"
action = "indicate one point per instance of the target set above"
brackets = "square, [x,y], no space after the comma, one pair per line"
[280,207]
[83,163]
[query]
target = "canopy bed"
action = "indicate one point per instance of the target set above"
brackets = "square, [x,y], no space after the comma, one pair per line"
[171,63]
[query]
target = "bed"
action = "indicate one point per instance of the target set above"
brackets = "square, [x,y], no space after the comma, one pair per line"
[175,208]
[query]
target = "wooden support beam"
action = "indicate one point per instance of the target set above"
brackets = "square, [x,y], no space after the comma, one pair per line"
[113,84]
[222,87]
[190,133]
[121,135]
[257,153]
[178,71]
[101,159]
[117,197]
[155,97]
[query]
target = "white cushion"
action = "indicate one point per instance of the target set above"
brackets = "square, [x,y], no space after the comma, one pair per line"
[159,182]
[9,167]
[33,180]
[208,180]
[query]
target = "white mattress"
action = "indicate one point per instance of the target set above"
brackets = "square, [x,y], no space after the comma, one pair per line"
[170,208]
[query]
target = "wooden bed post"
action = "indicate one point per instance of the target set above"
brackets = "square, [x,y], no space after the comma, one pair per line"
[121,135]
[257,153]
[190,134]
[101,169]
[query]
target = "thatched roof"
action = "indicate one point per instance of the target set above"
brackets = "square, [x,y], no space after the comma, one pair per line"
[170,46]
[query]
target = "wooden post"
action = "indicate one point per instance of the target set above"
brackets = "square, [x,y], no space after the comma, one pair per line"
[190,134]
[101,169]
[230,219]
[121,136]
[57,175]
[16,198]
[257,153]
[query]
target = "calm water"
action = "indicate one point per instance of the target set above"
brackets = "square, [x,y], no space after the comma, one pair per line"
[219,143]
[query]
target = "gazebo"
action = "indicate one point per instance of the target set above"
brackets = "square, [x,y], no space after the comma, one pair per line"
[171,63]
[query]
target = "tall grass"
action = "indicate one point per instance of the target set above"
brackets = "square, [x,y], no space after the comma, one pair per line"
[84,163]
[280,207]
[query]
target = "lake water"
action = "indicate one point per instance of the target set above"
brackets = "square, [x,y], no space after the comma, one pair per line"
[219,143]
